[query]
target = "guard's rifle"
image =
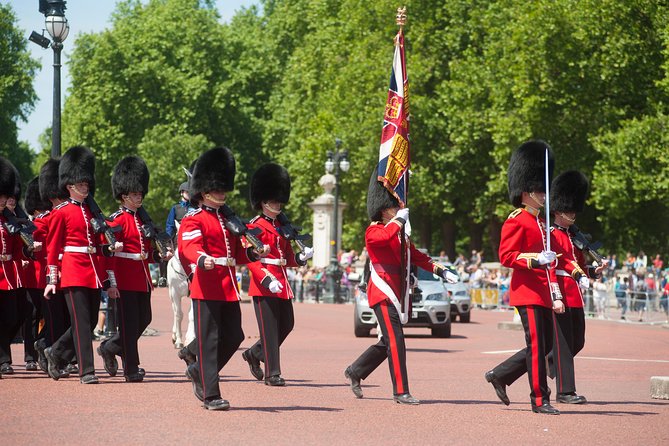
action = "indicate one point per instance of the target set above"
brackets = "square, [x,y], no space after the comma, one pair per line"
[20,224]
[290,232]
[99,222]
[160,237]
[237,226]
[583,242]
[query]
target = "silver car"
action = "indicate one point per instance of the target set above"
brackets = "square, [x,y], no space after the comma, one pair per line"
[430,308]
[461,302]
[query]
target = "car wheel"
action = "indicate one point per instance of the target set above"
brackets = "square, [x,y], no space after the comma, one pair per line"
[465,317]
[442,332]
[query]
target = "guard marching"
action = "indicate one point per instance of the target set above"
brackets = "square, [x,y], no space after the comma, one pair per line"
[86,263]
[272,294]
[383,240]
[212,251]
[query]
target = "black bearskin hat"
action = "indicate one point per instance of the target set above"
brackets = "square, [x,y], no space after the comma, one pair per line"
[48,181]
[33,200]
[130,175]
[527,170]
[378,198]
[214,170]
[270,182]
[569,191]
[8,177]
[77,166]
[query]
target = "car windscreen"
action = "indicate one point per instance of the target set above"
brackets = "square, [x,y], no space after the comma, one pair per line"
[426,275]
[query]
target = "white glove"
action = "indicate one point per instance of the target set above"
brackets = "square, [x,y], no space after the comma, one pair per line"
[546,257]
[403,214]
[275,286]
[407,228]
[306,254]
[450,276]
[584,282]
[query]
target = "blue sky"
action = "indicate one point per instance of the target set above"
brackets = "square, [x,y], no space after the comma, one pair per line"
[84,16]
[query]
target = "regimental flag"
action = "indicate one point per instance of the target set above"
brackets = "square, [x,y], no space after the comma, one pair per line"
[394,159]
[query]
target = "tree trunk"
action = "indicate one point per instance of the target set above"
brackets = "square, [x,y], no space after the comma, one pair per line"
[448,237]
[494,233]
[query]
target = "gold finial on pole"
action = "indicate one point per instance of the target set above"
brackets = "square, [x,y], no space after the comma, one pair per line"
[401,17]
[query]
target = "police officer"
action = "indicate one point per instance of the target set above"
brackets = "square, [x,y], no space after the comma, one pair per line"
[568,194]
[272,295]
[130,184]
[85,265]
[384,247]
[212,251]
[523,248]
[174,217]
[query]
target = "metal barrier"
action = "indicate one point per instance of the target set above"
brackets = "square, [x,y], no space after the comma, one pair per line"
[488,297]
[316,290]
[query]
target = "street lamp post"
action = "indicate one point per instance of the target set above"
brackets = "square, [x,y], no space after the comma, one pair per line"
[58,28]
[336,162]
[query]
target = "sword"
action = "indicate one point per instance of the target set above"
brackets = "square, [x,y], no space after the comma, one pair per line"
[553,285]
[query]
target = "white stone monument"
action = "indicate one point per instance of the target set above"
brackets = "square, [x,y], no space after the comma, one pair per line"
[323,207]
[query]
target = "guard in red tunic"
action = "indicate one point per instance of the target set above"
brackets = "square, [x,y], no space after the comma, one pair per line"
[384,247]
[568,194]
[10,249]
[212,251]
[34,277]
[130,184]
[85,265]
[56,315]
[272,295]
[523,248]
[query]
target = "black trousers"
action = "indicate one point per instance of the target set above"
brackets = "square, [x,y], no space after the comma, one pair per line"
[538,325]
[568,340]
[134,316]
[56,317]
[275,322]
[83,305]
[9,316]
[30,310]
[218,331]
[390,346]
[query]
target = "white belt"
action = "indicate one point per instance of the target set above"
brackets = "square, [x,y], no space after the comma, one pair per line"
[131,256]
[225,261]
[81,249]
[5,257]
[279,262]
[561,272]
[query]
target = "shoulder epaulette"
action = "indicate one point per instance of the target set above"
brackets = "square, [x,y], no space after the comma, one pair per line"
[515,213]
[43,214]
[254,219]
[116,214]
[63,204]
[192,212]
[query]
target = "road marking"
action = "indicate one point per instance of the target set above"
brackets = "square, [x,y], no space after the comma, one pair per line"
[596,358]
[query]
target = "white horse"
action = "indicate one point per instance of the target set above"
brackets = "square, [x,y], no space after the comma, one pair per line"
[177,285]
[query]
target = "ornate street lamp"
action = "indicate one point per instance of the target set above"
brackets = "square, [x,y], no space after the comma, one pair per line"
[336,162]
[58,28]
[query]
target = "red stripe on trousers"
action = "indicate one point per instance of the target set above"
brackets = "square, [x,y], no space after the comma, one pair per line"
[556,353]
[76,329]
[534,349]
[200,338]
[392,344]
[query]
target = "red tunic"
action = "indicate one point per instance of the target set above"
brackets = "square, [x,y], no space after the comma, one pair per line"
[37,270]
[280,252]
[203,233]
[10,245]
[522,239]
[568,284]
[383,245]
[70,227]
[132,264]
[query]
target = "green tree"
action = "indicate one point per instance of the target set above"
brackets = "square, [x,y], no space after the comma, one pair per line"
[17,96]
